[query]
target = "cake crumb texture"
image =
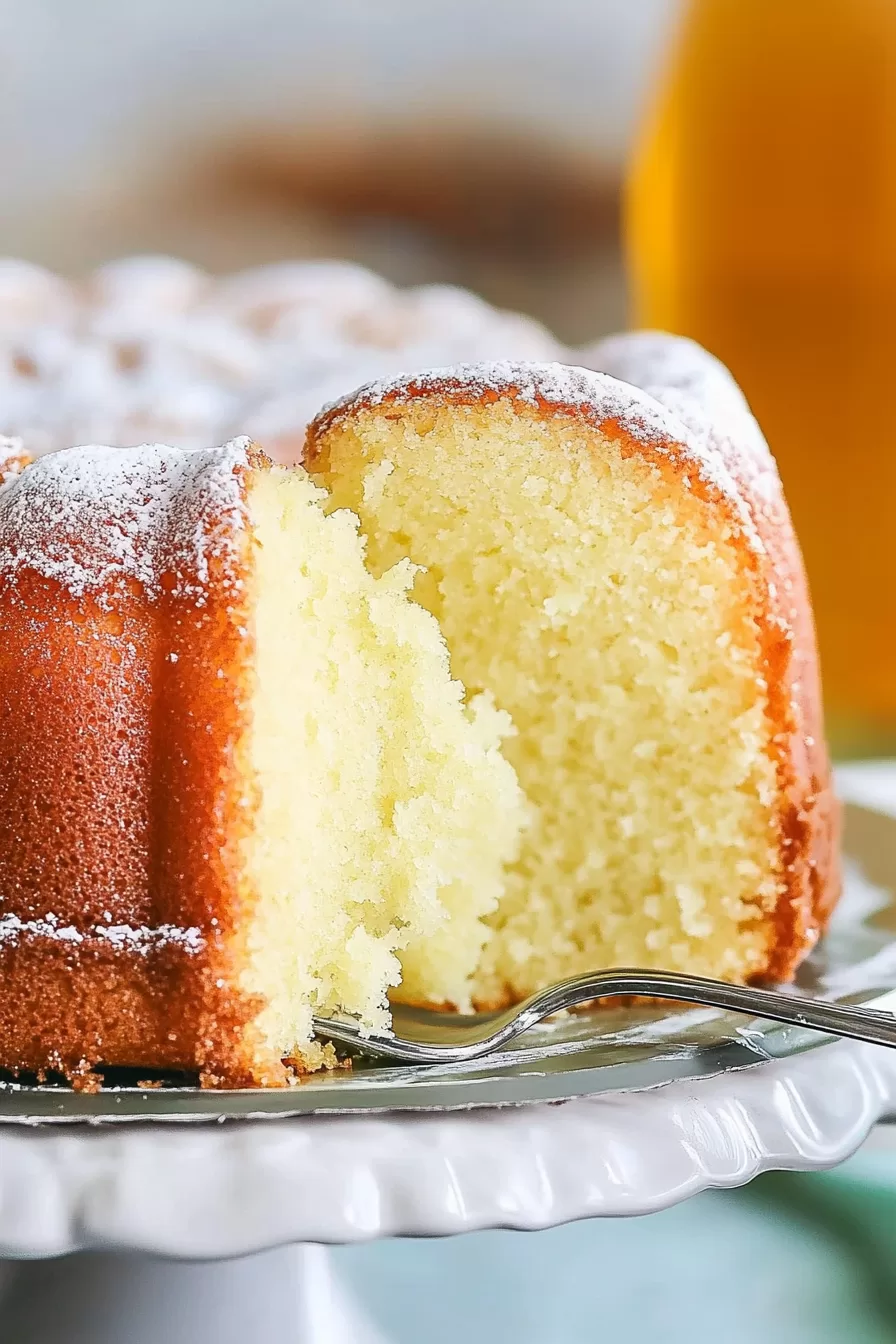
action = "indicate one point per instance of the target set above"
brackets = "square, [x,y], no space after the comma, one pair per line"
[386,808]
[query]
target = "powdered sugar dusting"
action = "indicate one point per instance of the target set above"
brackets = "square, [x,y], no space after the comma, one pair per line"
[597,395]
[697,388]
[125,937]
[558,384]
[90,516]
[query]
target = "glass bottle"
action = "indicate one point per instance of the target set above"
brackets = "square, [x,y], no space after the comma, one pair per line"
[761,221]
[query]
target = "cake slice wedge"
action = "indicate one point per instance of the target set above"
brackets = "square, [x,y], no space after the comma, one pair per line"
[618,569]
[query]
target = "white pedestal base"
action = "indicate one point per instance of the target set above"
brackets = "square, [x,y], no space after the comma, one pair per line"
[289,1295]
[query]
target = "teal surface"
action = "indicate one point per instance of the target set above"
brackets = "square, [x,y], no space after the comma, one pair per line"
[790,1259]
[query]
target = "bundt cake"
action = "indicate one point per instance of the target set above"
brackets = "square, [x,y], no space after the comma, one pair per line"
[238,784]
[236,778]
[618,569]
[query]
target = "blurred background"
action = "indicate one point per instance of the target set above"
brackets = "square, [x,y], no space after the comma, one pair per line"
[721,168]
[447,140]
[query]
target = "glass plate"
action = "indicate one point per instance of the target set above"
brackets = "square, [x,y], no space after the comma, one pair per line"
[605,1050]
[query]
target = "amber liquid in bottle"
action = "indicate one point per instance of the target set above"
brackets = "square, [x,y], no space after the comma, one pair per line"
[761,221]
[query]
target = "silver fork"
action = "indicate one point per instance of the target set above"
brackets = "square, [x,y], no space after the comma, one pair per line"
[436,1038]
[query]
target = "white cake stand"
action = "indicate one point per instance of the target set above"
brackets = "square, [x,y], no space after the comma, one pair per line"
[284,1187]
[288,1187]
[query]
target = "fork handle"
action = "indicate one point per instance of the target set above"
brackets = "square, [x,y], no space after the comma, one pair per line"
[834,1019]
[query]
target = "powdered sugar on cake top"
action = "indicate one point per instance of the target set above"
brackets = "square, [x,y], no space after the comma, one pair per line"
[597,395]
[87,517]
[561,385]
[696,387]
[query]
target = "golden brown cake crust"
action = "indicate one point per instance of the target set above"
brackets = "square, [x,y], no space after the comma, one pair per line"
[125,672]
[712,446]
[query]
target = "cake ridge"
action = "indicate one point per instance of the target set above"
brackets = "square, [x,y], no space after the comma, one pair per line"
[174,510]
